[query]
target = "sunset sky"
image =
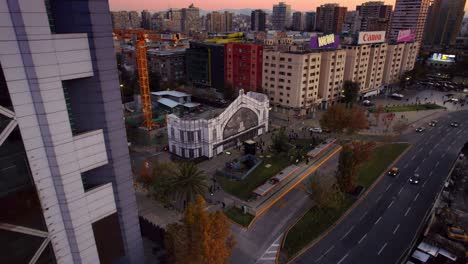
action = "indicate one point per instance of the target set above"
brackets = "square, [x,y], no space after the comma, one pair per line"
[300,5]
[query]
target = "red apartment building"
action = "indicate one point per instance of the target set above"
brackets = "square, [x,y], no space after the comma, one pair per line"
[243,65]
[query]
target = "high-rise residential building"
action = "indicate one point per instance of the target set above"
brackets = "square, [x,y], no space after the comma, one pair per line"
[168,65]
[219,22]
[352,22]
[66,185]
[119,19]
[309,21]
[298,20]
[190,20]
[145,19]
[258,20]
[173,20]
[243,66]
[409,15]
[291,80]
[331,76]
[134,19]
[444,22]
[375,16]
[330,18]
[281,17]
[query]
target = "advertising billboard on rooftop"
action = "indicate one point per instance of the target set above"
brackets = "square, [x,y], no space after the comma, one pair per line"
[325,41]
[370,37]
[405,36]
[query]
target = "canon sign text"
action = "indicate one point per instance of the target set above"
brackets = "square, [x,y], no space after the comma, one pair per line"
[371,37]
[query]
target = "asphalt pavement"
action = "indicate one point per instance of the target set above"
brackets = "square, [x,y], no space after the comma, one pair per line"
[382,226]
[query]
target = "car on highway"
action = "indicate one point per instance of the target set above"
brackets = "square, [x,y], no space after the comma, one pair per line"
[455,124]
[315,130]
[415,179]
[420,129]
[433,123]
[367,103]
[394,172]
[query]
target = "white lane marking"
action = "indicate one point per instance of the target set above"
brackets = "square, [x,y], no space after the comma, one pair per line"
[382,248]
[273,251]
[430,174]
[396,229]
[388,187]
[407,211]
[330,249]
[363,215]
[390,205]
[417,168]
[362,238]
[406,166]
[430,152]
[378,199]
[437,164]
[419,150]
[436,145]
[378,220]
[343,258]
[347,233]
[271,258]
[401,190]
[443,155]
[414,156]
[424,184]
[415,198]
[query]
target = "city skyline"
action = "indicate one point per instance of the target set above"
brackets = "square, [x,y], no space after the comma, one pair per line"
[296,5]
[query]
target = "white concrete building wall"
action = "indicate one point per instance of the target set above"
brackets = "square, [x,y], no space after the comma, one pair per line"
[35,62]
[212,129]
[393,63]
[410,53]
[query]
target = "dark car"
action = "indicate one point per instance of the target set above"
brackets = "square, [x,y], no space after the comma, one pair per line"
[420,129]
[394,172]
[433,123]
[415,179]
[454,124]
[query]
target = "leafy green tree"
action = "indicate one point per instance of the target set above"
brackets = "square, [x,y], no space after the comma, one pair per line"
[350,92]
[352,156]
[188,182]
[163,176]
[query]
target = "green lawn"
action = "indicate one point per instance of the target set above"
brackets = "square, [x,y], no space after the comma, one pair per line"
[243,189]
[236,215]
[409,108]
[382,157]
[316,221]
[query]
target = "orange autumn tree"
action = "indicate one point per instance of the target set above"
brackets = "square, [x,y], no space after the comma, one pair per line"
[338,118]
[202,237]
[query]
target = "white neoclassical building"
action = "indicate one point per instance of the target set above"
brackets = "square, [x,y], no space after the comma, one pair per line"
[193,137]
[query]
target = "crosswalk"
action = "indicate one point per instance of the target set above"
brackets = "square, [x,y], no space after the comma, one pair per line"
[269,256]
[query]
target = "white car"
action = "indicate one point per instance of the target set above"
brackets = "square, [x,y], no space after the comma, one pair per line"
[415,179]
[316,130]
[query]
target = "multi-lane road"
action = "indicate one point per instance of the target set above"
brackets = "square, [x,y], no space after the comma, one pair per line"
[382,226]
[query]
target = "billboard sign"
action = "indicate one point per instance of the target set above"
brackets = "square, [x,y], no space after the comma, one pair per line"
[405,36]
[370,37]
[325,41]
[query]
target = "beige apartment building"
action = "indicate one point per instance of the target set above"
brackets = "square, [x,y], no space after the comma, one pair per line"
[410,53]
[357,64]
[400,59]
[375,70]
[332,68]
[393,63]
[291,80]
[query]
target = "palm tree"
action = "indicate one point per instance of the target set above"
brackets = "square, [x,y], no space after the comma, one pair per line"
[189,181]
